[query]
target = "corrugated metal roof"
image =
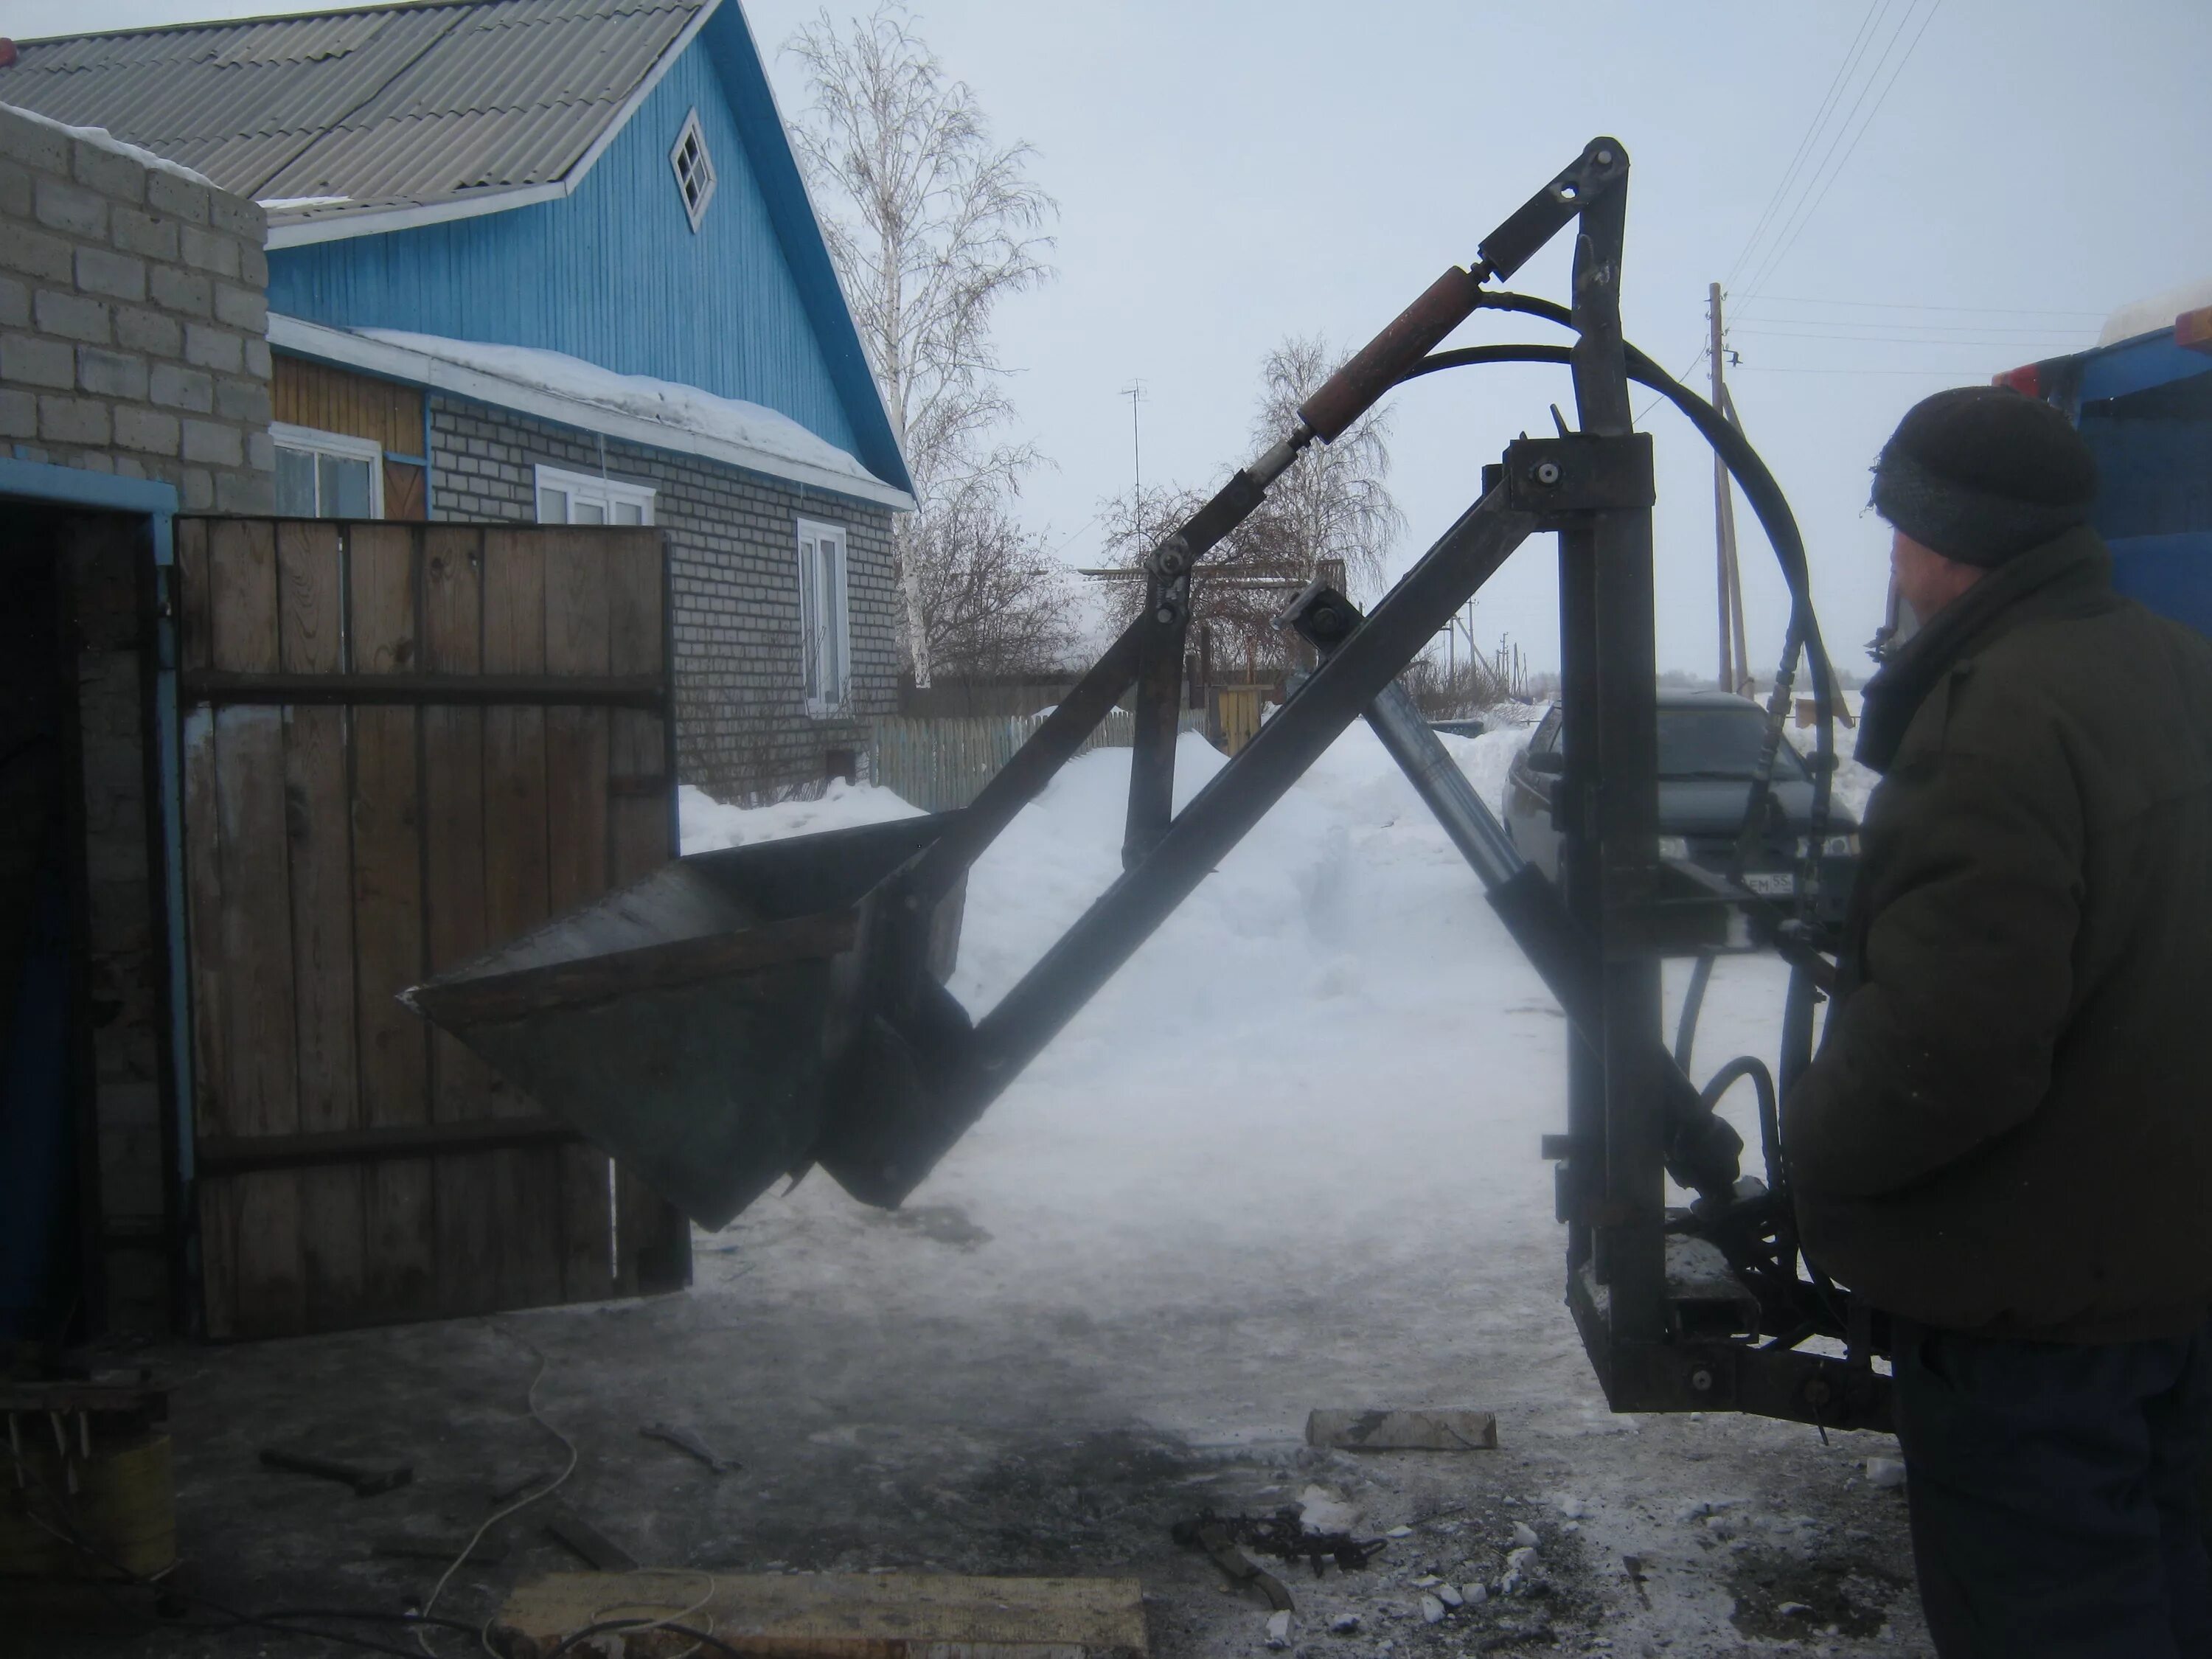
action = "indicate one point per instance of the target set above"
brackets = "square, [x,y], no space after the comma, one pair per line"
[395,107]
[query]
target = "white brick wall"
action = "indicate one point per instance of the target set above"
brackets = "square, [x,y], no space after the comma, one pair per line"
[133,318]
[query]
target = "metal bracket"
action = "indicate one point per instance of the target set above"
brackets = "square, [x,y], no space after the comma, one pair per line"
[1561,478]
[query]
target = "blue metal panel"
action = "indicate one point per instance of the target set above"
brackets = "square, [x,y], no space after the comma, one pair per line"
[2133,365]
[614,274]
[2172,575]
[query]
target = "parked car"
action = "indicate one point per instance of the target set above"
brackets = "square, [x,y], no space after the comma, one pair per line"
[1708,752]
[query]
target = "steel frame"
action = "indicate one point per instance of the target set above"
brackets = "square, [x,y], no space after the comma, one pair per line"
[1669,1304]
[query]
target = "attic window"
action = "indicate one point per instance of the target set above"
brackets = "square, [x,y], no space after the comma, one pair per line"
[695,169]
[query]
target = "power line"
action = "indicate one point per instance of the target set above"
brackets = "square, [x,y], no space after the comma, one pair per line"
[1900,305]
[1805,144]
[1834,136]
[2020,341]
[1795,368]
[1775,263]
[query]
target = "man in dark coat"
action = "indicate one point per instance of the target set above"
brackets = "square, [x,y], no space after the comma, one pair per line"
[2006,1141]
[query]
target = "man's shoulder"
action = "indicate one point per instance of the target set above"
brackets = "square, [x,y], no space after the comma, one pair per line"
[2111,692]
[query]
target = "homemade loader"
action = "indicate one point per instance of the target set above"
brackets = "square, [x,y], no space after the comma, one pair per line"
[743,1016]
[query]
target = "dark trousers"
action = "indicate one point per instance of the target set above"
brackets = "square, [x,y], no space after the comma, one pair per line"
[2053,1493]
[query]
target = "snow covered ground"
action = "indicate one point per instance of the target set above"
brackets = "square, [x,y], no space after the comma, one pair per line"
[1288,1159]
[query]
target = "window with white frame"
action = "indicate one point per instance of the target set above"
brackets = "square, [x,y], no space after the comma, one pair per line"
[695,170]
[327,475]
[824,637]
[585,498]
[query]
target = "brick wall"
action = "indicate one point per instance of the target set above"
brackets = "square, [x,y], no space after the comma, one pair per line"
[132,340]
[133,320]
[742,724]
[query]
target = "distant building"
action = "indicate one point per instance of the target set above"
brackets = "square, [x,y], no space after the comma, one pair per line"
[550,261]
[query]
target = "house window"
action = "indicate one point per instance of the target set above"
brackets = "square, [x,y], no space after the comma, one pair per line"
[695,169]
[824,639]
[585,498]
[327,475]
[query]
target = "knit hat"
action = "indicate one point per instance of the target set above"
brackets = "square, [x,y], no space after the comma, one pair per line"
[1980,473]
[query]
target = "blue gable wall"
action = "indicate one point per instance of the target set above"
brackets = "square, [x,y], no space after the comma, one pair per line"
[613,275]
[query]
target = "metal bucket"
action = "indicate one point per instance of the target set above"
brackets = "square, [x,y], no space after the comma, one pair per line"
[711,1026]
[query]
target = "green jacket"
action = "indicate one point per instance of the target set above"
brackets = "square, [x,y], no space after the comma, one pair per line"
[2007,1129]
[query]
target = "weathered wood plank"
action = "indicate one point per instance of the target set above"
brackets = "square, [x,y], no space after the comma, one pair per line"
[311,577]
[577,641]
[525,1185]
[252,937]
[856,1615]
[218,1200]
[195,629]
[388,877]
[653,1238]
[471,1223]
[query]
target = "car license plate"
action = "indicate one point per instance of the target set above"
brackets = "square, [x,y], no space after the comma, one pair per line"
[1775,884]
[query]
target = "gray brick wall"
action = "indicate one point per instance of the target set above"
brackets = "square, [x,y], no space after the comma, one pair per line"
[133,321]
[742,726]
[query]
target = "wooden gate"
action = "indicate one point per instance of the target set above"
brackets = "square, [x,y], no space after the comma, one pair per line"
[403,744]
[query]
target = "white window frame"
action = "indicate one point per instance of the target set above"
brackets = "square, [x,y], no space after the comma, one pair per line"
[694,209]
[315,441]
[828,699]
[590,487]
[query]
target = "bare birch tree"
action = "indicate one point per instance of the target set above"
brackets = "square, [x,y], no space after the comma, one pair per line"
[1334,503]
[930,223]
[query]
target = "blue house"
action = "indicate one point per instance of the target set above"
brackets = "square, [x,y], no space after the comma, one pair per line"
[550,261]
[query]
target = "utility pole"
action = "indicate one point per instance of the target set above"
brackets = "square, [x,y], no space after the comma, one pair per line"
[1735,667]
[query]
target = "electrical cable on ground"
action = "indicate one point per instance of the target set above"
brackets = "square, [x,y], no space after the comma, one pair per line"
[530,1405]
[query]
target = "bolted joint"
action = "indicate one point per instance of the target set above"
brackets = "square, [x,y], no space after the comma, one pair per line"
[1169,559]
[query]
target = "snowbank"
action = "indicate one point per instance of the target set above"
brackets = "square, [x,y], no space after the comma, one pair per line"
[1334,1034]
[101,138]
[686,408]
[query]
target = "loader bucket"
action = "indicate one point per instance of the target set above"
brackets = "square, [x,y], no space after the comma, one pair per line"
[701,1024]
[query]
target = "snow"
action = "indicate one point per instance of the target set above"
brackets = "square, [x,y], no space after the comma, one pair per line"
[732,419]
[709,825]
[1287,1157]
[291,204]
[101,138]
[2155,314]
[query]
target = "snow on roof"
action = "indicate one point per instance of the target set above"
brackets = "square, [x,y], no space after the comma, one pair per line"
[687,409]
[2155,314]
[101,138]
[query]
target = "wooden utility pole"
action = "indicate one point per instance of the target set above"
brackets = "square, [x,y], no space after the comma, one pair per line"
[1734,667]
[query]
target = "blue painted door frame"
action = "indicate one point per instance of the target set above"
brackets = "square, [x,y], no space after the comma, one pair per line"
[155,504]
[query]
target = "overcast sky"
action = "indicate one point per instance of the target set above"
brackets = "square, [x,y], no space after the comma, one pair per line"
[2001,173]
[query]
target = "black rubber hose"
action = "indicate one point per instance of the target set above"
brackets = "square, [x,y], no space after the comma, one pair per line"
[1770,1119]
[1765,494]
[1693,1003]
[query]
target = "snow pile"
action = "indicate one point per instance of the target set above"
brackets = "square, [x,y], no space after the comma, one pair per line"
[639,395]
[709,825]
[101,138]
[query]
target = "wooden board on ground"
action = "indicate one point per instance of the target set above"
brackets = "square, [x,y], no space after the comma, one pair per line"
[836,1615]
[1405,1431]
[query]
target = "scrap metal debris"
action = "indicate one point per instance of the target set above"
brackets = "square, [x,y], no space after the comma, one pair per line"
[1283,1534]
[685,1441]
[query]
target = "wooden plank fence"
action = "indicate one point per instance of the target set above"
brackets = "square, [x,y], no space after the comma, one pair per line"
[940,765]
[404,743]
